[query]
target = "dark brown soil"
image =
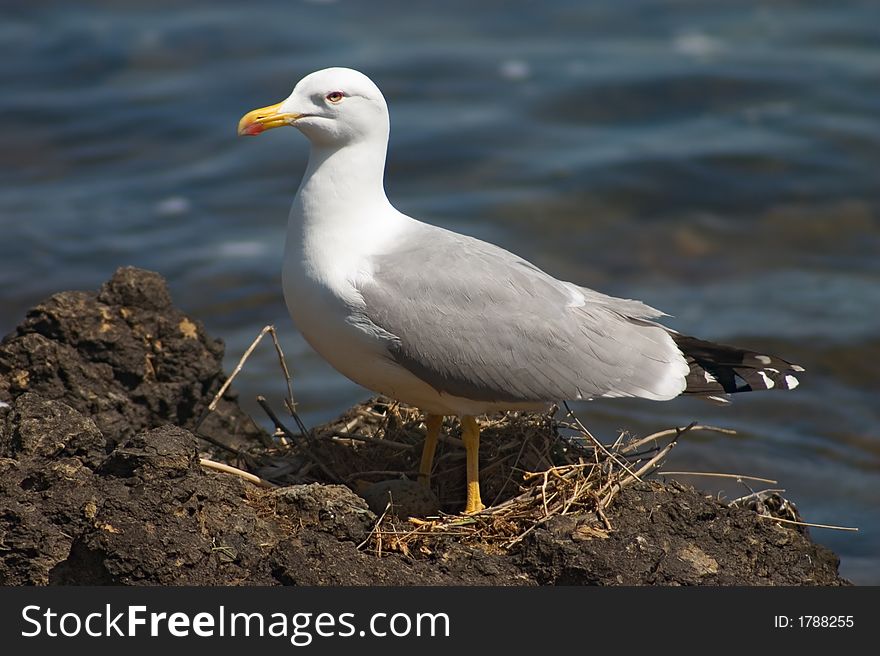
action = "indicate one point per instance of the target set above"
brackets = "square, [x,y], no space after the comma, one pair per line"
[100,483]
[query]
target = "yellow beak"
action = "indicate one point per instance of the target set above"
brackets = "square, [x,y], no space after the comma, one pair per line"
[264,118]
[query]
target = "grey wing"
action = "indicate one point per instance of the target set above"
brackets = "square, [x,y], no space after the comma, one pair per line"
[478,322]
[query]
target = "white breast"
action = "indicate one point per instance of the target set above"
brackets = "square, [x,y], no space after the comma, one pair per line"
[323,263]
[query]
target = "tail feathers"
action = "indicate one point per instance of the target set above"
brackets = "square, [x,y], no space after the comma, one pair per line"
[718,369]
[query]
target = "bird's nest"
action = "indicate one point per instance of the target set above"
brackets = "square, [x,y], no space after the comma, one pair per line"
[533,467]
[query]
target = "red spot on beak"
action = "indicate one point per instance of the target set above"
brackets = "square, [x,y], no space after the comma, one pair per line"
[253,130]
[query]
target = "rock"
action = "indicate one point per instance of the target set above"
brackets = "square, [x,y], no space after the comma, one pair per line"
[50,429]
[125,357]
[670,534]
[330,508]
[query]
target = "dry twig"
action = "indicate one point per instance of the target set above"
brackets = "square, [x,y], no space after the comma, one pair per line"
[738,477]
[798,523]
[229,469]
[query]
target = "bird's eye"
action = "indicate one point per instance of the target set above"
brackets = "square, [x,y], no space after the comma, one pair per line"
[335,96]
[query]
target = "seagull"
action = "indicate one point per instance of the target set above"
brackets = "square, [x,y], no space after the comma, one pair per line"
[450,324]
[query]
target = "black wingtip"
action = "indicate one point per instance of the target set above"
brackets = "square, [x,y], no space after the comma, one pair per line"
[718,368]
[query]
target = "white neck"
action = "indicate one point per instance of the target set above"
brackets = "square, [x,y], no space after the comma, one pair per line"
[340,215]
[342,182]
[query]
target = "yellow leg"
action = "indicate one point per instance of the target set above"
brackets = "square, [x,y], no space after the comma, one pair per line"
[470,435]
[433,422]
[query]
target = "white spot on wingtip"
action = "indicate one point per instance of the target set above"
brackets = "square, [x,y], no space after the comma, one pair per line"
[791,381]
[769,383]
[763,359]
[709,377]
[796,367]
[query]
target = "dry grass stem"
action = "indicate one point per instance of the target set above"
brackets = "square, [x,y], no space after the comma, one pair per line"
[717,475]
[238,367]
[811,524]
[235,471]
[659,435]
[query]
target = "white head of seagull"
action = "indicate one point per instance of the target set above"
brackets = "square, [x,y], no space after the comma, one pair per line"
[333,107]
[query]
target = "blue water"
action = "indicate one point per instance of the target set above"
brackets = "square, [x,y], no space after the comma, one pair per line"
[719,160]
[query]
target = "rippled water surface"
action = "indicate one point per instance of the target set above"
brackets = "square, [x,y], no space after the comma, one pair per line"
[719,160]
